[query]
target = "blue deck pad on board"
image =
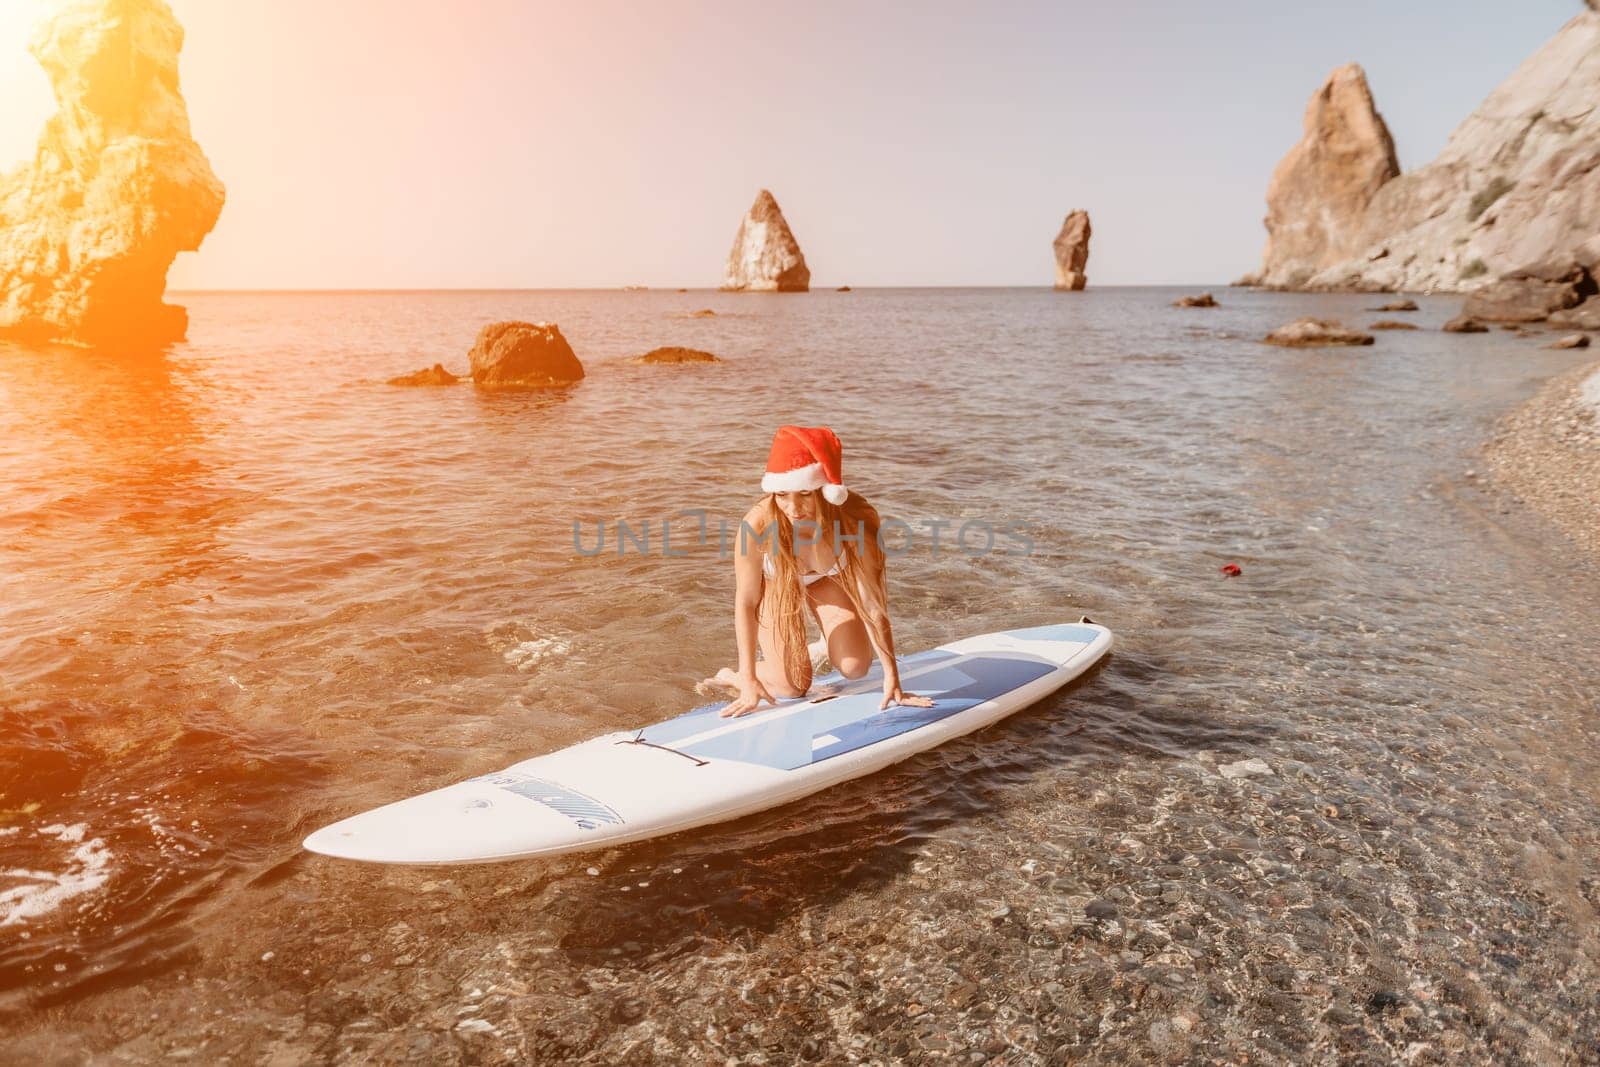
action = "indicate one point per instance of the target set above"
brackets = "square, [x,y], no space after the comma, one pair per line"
[1061,631]
[698,720]
[787,737]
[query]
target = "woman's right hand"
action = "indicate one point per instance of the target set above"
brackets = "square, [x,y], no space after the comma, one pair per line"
[751,694]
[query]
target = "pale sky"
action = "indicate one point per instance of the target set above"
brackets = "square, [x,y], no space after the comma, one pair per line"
[524,144]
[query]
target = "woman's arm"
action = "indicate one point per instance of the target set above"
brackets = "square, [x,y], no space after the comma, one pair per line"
[746,620]
[746,604]
[874,598]
[873,592]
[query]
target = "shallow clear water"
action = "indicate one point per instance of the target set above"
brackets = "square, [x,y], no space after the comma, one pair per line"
[246,588]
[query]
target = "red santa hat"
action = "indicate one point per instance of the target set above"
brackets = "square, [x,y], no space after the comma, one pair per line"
[802,458]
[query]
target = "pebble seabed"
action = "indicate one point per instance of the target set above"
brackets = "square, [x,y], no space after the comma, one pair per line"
[1445,920]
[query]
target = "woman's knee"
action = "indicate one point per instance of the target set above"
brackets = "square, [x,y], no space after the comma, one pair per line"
[854,667]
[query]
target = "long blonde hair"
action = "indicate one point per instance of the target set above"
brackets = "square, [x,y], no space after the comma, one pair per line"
[861,566]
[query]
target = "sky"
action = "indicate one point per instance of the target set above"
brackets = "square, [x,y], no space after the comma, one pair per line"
[528,144]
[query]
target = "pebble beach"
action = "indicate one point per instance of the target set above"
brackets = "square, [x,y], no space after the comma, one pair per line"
[1546,455]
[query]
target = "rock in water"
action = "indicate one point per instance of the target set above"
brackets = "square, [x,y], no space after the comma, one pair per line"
[1204,300]
[1532,294]
[1307,333]
[117,187]
[1575,340]
[1517,183]
[523,354]
[1586,316]
[1320,191]
[1397,305]
[674,354]
[1462,324]
[1392,324]
[434,375]
[765,255]
[1072,252]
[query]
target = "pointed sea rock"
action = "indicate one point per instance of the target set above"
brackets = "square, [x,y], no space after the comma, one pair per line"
[1318,197]
[1072,252]
[117,186]
[765,255]
[1517,183]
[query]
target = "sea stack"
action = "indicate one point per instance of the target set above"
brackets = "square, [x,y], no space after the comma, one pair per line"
[1517,184]
[1072,252]
[117,187]
[1318,196]
[765,256]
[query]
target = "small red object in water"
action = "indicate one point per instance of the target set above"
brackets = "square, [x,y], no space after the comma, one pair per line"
[1231,570]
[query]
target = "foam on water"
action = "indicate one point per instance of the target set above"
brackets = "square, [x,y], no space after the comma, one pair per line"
[524,648]
[525,655]
[85,868]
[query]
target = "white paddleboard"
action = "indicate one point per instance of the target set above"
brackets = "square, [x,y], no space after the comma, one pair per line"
[700,768]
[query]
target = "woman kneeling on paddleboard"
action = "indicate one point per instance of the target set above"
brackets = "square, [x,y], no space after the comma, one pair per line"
[811,540]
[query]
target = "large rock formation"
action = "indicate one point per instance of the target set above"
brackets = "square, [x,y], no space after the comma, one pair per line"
[523,354]
[1072,251]
[1518,183]
[765,255]
[1319,194]
[1532,294]
[117,187]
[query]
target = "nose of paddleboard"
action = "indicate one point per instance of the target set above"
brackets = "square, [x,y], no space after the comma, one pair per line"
[466,822]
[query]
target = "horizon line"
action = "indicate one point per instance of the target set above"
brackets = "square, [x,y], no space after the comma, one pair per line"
[669,289]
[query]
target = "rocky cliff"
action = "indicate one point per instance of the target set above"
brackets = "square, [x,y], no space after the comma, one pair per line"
[1320,192]
[117,187]
[1518,183]
[765,255]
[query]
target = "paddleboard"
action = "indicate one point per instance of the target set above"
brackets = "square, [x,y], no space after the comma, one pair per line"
[700,768]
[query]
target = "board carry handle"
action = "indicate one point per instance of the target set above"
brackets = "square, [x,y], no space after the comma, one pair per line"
[639,740]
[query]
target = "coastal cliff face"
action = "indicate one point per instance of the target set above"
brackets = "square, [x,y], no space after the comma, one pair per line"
[1518,183]
[117,187]
[1072,252]
[1320,191]
[765,256]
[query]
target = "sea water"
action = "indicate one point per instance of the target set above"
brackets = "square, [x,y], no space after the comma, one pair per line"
[247,588]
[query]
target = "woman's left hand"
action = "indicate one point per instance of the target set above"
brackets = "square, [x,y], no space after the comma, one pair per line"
[893,694]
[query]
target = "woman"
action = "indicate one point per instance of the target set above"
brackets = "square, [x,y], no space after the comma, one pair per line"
[812,541]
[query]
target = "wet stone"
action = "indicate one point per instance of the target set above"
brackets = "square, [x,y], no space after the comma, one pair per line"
[1384,1000]
[629,1010]
[1100,909]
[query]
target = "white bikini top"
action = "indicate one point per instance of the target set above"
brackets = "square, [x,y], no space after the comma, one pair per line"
[805,579]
